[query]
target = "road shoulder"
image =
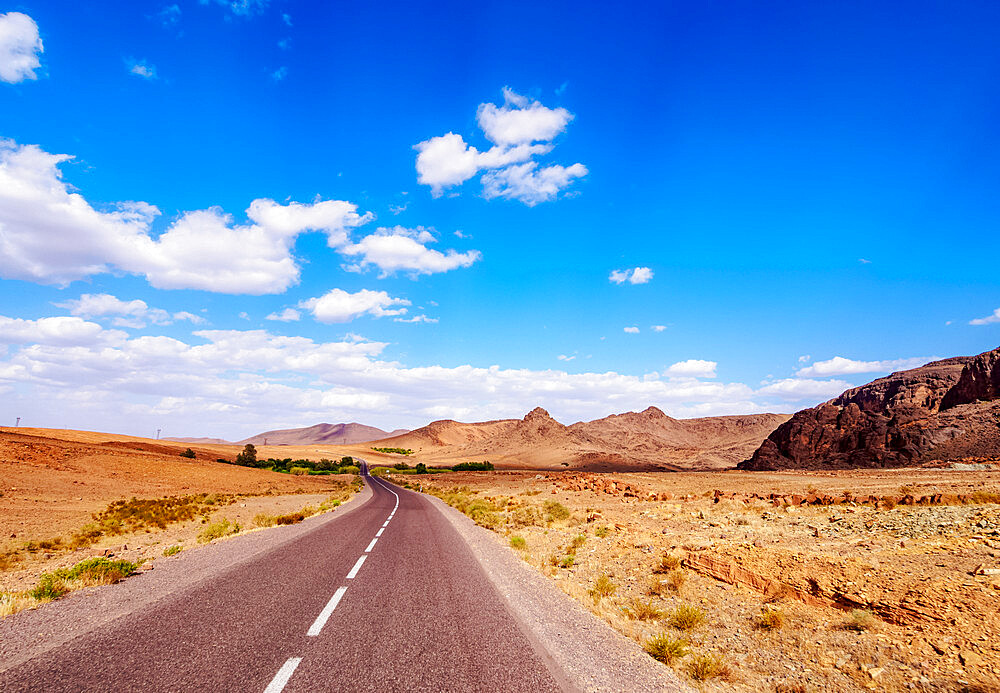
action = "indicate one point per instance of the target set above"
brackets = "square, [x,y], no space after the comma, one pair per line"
[583,652]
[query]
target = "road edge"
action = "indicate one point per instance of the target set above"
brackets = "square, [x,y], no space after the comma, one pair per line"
[585,652]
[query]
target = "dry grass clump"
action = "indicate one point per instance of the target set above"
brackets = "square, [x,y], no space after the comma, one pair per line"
[664,648]
[555,511]
[217,530]
[702,667]
[518,543]
[770,619]
[859,620]
[12,602]
[643,610]
[676,579]
[601,531]
[686,617]
[603,587]
[667,563]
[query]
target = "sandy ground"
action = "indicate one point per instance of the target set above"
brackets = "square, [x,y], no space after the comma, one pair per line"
[53,482]
[930,575]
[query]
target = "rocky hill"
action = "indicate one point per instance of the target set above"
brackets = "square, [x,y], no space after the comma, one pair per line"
[635,440]
[944,410]
[328,434]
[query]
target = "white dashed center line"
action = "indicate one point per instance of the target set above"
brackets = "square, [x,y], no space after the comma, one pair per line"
[284,673]
[324,615]
[371,546]
[379,533]
[357,567]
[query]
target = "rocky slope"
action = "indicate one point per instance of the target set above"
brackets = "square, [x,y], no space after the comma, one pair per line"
[635,440]
[328,434]
[944,410]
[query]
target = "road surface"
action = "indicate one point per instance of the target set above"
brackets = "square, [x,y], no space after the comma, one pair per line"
[387,597]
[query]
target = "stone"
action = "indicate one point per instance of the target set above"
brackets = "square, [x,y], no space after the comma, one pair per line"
[968,658]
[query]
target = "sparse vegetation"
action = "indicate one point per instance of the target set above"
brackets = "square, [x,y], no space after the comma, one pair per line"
[172,550]
[860,620]
[518,543]
[702,667]
[643,610]
[217,530]
[577,541]
[397,451]
[665,648]
[555,511]
[188,453]
[601,531]
[473,467]
[675,579]
[686,617]
[667,563]
[603,587]
[770,619]
[567,561]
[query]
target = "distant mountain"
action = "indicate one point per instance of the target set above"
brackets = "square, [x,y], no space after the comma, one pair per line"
[328,434]
[643,440]
[944,410]
[201,441]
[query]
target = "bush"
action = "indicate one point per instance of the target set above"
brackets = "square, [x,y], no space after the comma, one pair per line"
[664,648]
[518,543]
[247,458]
[770,619]
[172,550]
[555,510]
[473,467]
[567,561]
[578,541]
[421,468]
[676,579]
[859,620]
[49,587]
[298,471]
[603,587]
[188,453]
[643,610]
[400,466]
[601,531]
[686,617]
[667,563]
[705,666]
[350,470]
[217,530]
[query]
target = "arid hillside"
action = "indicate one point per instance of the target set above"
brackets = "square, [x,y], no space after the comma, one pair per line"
[646,440]
[324,433]
[945,410]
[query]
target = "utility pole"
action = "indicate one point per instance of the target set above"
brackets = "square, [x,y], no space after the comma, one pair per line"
[18,422]
[158,433]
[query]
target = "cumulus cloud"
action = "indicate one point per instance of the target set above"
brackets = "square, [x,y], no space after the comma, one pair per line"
[287,315]
[519,130]
[632,330]
[989,319]
[796,389]
[58,331]
[135,313]
[692,368]
[20,47]
[338,305]
[51,234]
[839,365]
[401,249]
[637,275]
[141,68]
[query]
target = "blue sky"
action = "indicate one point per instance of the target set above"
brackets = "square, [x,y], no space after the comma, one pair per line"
[218,217]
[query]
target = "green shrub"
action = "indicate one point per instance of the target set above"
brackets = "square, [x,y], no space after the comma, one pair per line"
[473,467]
[217,530]
[518,543]
[556,511]
[601,531]
[666,649]
[49,587]
[603,587]
[188,453]
[172,550]
[568,560]
[577,541]
[686,617]
[421,468]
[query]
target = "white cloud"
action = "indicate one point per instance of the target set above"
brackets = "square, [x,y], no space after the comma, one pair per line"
[338,305]
[632,330]
[401,249]
[637,275]
[529,184]
[692,368]
[564,357]
[659,328]
[521,121]
[839,365]
[287,315]
[170,16]
[134,314]
[141,68]
[805,358]
[989,319]
[398,209]
[51,235]
[796,389]
[416,319]
[244,8]
[279,74]
[520,130]
[20,47]
[59,331]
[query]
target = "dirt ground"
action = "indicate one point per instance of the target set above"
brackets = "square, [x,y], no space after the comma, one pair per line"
[53,482]
[926,576]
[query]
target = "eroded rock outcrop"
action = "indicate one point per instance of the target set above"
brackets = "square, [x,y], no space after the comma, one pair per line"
[945,410]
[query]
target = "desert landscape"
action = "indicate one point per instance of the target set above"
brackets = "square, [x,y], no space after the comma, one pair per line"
[853,546]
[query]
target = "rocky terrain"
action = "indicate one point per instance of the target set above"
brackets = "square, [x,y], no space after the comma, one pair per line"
[945,410]
[648,440]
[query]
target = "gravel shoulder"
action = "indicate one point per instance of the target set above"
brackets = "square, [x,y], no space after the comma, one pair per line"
[32,633]
[586,653]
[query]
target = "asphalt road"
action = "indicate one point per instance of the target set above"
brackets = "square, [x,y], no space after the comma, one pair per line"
[386,598]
